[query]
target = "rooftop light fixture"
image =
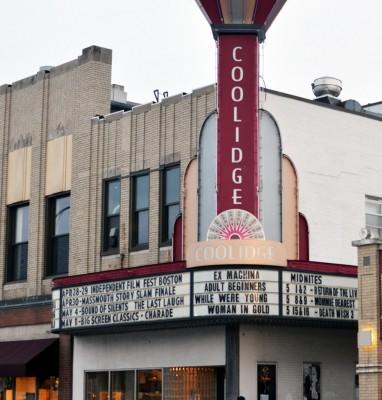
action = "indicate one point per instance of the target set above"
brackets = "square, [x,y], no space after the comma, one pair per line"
[240,15]
[238,26]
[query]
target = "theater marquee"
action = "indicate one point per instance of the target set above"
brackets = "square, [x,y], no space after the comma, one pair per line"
[234,292]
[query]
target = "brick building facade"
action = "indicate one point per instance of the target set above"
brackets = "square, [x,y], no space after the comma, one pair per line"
[62,149]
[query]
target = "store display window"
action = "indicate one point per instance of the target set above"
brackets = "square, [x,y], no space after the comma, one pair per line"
[122,385]
[97,385]
[180,383]
[198,383]
[28,388]
[149,384]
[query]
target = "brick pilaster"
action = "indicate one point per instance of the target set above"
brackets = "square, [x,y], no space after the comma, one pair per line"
[369,366]
[65,367]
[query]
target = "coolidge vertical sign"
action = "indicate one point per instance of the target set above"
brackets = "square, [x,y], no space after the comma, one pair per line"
[238,122]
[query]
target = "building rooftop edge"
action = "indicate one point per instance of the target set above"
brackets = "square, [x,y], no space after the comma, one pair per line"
[91,53]
[317,103]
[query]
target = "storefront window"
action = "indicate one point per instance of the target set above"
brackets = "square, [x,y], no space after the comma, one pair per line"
[97,385]
[6,386]
[190,383]
[25,388]
[122,385]
[28,388]
[149,384]
[48,389]
[180,383]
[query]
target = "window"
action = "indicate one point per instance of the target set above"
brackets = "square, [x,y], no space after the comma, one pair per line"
[373,211]
[58,231]
[97,385]
[170,201]
[111,216]
[177,383]
[140,212]
[18,243]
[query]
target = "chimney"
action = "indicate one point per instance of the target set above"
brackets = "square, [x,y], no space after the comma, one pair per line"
[118,93]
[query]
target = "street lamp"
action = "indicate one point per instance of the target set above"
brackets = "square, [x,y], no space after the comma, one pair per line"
[238,27]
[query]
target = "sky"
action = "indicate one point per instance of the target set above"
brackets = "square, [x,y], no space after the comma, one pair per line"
[168,45]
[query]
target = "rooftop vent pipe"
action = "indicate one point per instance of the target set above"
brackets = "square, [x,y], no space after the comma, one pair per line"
[45,68]
[118,93]
[326,86]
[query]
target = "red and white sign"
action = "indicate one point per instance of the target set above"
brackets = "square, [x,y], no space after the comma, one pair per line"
[237,176]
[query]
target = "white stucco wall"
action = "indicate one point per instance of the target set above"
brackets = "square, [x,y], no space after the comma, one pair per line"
[338,159]
[146,349]
[289,348]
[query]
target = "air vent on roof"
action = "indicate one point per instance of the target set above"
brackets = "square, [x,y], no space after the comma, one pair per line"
[45,68]
[352,105]
[118,93]
[326,86]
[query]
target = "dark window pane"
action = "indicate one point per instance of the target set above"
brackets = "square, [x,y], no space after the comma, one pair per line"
[172,185]
[266,381]
[111,215]
[22,224]
[97,386]
[60,254]
[173,212]
[149,384]
[112,232]
[143,227]
[62,214]
[122,385]
[18,243]
[113,197]
[19,262]
[170,202]
[141,192]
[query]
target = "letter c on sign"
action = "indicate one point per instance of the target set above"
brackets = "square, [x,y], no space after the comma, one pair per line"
[234,54]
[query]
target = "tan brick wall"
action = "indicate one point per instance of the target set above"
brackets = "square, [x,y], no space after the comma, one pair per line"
[65,101]
[146,138]
[32,111]
[5,99]
[370,357]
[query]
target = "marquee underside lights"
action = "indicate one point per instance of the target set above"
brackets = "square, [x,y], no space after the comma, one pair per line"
[257,13]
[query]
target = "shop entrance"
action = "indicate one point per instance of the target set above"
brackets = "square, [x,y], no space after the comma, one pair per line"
[178,383]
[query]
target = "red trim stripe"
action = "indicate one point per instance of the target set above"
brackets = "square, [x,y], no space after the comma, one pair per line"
[125,273]
[313,266]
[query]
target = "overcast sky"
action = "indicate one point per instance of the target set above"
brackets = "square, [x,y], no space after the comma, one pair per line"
[167,44]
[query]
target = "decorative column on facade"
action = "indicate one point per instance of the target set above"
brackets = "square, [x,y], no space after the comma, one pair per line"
[369,367]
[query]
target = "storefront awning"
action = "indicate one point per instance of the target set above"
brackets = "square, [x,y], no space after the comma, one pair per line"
[26,357]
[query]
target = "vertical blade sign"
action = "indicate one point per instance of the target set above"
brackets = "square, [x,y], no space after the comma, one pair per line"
[238,93]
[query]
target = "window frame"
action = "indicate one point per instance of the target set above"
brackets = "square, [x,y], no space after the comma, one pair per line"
[50,207]
[11,242]
[378,201]
[164,239]
[105,217]
[134,245]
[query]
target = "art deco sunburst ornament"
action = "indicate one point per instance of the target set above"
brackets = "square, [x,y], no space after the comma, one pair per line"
[235,224]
